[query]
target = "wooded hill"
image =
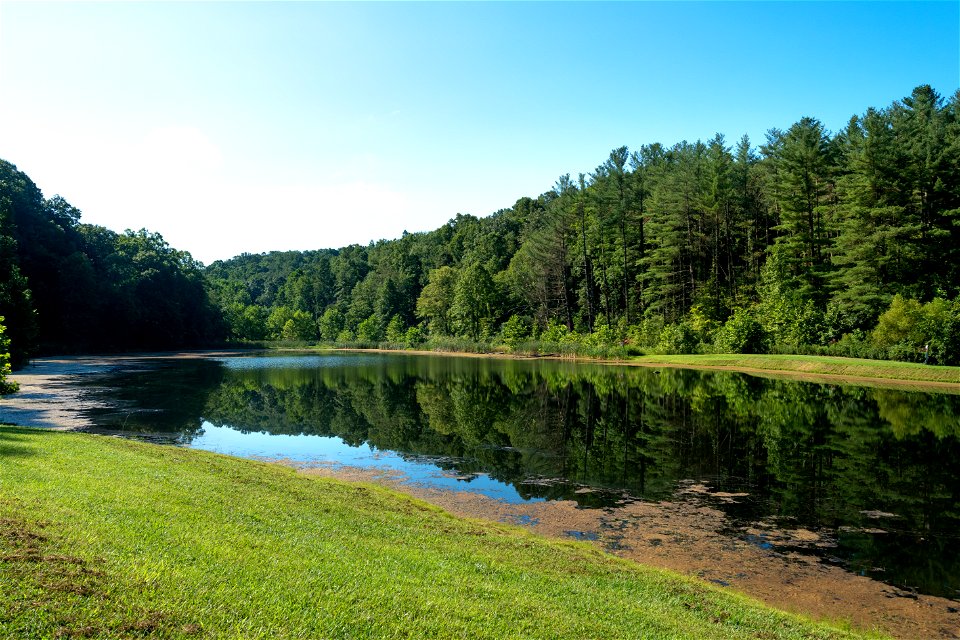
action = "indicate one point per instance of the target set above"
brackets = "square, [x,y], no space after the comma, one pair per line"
[845,242]
[803,242]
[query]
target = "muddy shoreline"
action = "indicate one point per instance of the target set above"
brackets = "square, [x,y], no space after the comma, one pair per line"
[685,534]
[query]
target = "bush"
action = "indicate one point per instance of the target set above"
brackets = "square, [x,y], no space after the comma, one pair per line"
[369,331]
[396,332]
[414,337]
[677,338]
[6,386]
[603,336]
[645,334]
[908,330]
[741,333]
[515,331]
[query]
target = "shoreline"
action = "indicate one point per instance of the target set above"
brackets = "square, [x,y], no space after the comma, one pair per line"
[803,376]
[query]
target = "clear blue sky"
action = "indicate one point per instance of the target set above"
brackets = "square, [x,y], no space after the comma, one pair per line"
[232,127]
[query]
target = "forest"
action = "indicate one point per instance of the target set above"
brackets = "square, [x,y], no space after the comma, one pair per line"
[845,243]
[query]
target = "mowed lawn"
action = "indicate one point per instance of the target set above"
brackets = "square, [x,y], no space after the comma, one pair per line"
[102,537]
[812,365]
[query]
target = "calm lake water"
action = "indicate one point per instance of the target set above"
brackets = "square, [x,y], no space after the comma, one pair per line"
[875,471]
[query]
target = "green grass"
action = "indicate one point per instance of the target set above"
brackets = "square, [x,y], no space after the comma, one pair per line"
[813,365]
[101,537]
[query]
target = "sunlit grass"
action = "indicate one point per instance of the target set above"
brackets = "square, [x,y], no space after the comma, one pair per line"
[101,537]
[822,365]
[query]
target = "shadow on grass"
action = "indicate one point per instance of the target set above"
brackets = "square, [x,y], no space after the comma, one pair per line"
[12,441]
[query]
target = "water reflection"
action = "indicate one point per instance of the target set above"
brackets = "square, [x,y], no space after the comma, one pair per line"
[873,469]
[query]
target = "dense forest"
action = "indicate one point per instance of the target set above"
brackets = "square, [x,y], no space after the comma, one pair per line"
[69,287]
[846,243]
[813,241]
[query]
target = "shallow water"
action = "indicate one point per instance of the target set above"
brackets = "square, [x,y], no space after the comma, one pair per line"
[872,472]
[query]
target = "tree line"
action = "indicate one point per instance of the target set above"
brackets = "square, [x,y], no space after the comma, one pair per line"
[845,243]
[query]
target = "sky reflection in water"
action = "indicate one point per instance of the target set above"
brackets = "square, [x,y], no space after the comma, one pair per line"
[310,450]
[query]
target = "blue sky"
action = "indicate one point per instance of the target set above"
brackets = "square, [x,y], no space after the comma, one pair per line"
[232,127]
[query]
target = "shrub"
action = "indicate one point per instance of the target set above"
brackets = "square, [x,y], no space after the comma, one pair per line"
[907,329]
[369,331]
[396,332]
[677,338]
[515,331]
[414,337]
[6,386]
[741,333]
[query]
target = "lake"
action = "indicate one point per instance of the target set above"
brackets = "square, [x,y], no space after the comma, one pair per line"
[874,471]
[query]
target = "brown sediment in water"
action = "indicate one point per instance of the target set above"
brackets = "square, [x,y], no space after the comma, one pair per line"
[688,536]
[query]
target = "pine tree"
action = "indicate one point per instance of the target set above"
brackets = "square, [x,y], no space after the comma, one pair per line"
[803,175]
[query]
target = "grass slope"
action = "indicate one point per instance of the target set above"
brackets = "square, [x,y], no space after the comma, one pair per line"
[101,537]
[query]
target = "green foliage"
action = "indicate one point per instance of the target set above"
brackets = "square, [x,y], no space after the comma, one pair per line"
[819,231]
[247,322]
[742,333]
[277,320]
[370,331]
[787,317]
[6,386]
[603,335]
[647,333]
[299,326]
[679,337]
[900,323]
[414,337]
[515,331]
[474,298]
[912,331]
[435,300]
[331,323]
[556,333]
[396,332]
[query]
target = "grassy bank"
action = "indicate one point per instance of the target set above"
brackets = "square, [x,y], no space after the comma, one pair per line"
[811,365]
[101,537]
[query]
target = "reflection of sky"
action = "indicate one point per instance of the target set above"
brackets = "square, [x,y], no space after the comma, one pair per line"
[324,450]
[298,361]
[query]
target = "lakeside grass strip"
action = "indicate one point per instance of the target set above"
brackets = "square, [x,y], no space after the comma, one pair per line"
[812,365]
[105,537]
